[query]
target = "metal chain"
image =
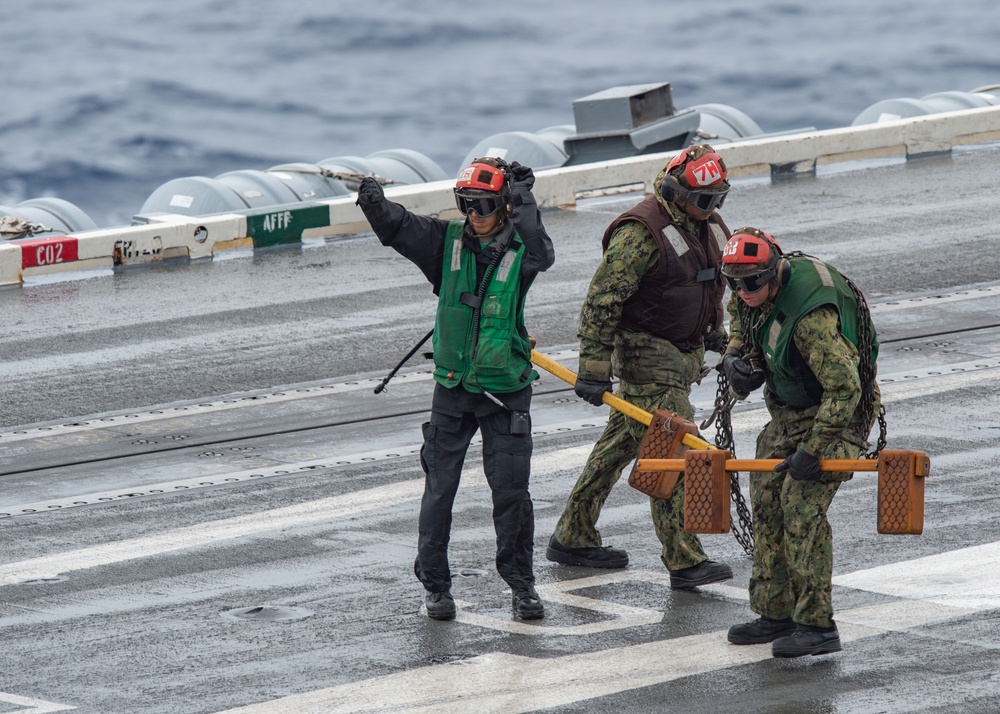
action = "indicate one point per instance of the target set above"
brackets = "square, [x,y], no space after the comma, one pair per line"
[722,416]
[866,372]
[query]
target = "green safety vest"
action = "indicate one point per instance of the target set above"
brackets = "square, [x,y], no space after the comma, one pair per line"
[500,361]
[812,283]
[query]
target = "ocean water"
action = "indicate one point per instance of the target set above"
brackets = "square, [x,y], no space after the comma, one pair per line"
[105,101]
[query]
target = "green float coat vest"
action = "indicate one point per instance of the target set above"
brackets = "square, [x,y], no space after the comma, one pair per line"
[812,283]
[500,361]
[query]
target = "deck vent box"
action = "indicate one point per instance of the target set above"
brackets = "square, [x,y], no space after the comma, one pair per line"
[628,121]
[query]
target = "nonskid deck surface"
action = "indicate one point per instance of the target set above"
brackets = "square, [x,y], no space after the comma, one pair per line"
[225,514]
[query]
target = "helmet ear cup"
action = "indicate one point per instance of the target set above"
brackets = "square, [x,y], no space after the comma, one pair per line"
[666,190]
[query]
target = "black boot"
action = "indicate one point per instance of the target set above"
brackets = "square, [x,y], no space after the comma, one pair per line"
[761,630]
[527,605]
[705,572]
[440,606]
[591,557]
[807,640]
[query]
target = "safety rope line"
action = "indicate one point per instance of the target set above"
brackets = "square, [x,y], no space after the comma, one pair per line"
[12,228]
[350,177]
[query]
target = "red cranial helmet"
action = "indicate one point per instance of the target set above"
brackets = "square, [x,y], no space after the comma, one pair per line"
[750,259]
[697,175]
[482,187]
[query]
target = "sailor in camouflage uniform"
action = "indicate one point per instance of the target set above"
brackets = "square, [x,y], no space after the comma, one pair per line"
[653,305]
[797,326]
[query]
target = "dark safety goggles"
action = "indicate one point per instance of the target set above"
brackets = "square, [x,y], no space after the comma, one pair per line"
[482,205]
[750,283]
[706,201]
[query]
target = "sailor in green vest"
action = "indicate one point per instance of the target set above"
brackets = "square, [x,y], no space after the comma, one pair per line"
[480,269]
[802,330]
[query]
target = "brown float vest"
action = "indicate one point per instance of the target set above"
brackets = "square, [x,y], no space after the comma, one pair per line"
[682,297]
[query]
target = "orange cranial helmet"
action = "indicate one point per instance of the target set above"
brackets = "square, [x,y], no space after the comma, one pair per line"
[750,259]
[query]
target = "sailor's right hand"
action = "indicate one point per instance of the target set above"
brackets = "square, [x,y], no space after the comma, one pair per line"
[742,377]
[370,193]
[592,390]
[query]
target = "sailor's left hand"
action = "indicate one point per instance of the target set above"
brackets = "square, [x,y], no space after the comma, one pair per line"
[522,177]
[801,466]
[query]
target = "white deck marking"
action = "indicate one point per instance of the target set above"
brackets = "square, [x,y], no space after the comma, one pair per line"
[507,684]
[326,509]
[939,299]
[966,578]
[622,616]
[32,706]
[933,589]
[961,370]
[213,477]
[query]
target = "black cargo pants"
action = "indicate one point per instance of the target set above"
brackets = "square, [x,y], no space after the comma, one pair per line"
[456,415]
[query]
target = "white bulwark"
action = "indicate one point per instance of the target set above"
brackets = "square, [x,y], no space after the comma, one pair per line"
[165,236]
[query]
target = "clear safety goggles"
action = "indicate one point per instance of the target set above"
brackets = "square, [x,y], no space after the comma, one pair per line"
[482,205]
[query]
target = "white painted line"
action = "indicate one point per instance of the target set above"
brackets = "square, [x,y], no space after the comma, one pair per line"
[187,410]
[751,415]
[32,706]
[509,684]
[966,578]
[209,480]
[968,372]
[51,566]
[943,298]
[291,394]
[205,481]
[621,616]
[327,509]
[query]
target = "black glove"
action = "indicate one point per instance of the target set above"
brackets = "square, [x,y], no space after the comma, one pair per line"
[742,378]
[718,343]
[801,466]
[592,390]
[522,175]
[370,193]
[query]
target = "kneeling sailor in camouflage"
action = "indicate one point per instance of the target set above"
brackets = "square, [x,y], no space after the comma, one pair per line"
[653,306]
[811,330]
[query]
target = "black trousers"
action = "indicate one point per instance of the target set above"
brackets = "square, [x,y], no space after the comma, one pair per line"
[456,415]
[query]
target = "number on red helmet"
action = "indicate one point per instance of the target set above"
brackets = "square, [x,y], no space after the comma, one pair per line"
[704,172]
[707,171]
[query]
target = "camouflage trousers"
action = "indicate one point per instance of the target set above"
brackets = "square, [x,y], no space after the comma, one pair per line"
[793,541]
[616,449]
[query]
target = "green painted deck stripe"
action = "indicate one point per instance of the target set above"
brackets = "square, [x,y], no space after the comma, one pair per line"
[286,225]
